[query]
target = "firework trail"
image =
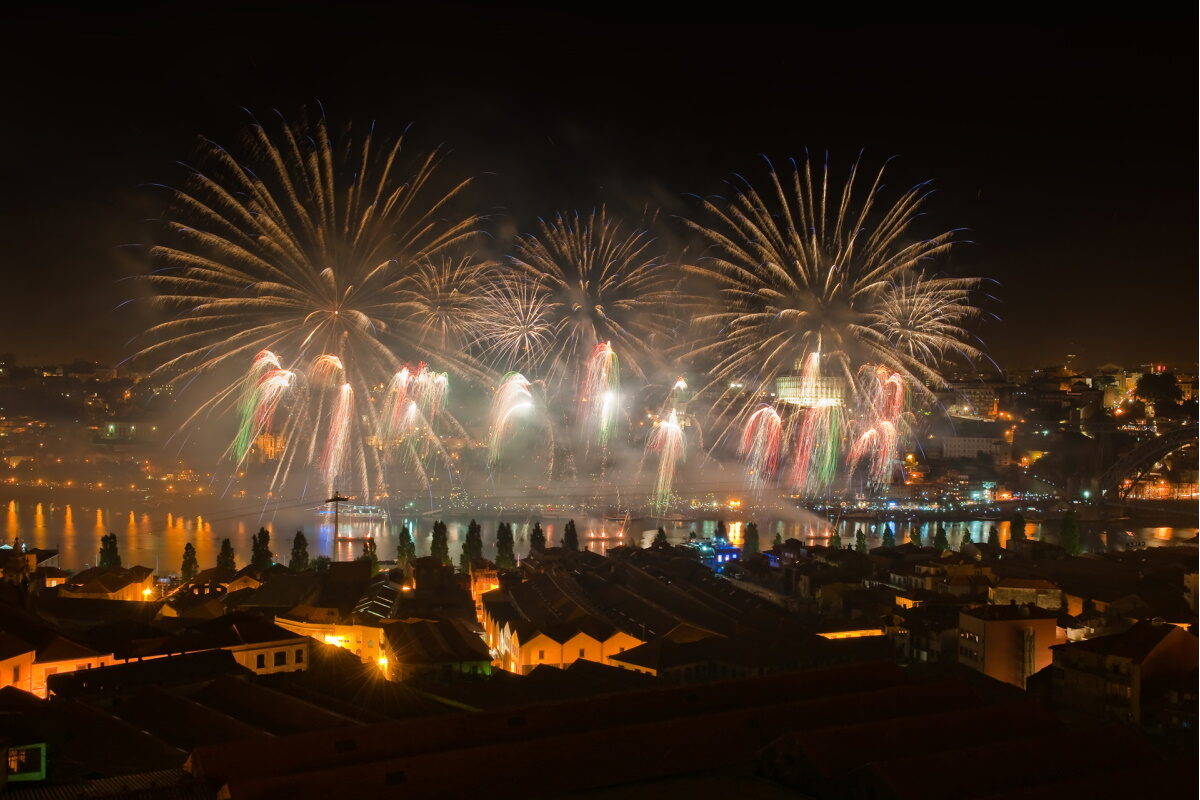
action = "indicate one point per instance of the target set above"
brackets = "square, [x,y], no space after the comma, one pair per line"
[884,422]
[312,244]
[600,394]
[817,439]
[806,267]
[262,389]
[760,444]
[513,397]
[667,441]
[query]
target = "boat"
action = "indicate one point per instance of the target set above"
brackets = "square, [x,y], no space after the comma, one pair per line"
[357,515]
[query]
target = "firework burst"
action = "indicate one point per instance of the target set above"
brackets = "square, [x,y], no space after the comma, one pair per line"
[312,245]
[580,282]
[806,267]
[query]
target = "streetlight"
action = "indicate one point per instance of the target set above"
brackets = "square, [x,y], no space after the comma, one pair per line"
[337,498]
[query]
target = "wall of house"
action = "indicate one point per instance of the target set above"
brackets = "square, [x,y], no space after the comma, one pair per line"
[18,671]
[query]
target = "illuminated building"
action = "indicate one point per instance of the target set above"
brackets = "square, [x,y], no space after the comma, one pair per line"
[269,446]
[1008,643]
[816,391]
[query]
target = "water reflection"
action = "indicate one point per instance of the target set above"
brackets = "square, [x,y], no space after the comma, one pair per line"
[160,539]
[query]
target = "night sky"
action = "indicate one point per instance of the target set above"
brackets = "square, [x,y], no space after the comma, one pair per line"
[1068,153]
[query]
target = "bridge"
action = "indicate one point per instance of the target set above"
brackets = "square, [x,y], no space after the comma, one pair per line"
[1141,459]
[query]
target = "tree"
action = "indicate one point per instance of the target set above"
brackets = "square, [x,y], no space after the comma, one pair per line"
[1068,533]
[570,536]
[1017,527]
[966,538]
[505,558]
[835,541]
[110,557]
[860,540]
[720,532]
[226,562]
[321,564]
[914,534]
[993,536]
[778,539]
[14,564]
[439,543]
[472,549]
[299,561]
[406,549]
[260,550]
[190,566]
[537,539]
[660,539]
[940,540]
[692,535]
[1160,388]
[889,536]
[750,543]
[370,554]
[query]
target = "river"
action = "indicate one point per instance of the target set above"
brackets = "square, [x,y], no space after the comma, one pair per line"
[155,537]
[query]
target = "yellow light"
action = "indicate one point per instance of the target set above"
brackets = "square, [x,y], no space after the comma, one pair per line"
[146,592]
[383,663]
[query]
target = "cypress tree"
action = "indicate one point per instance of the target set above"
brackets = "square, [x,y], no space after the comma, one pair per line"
[778,539]
[110,557]
[321,564]
[299,561]
[993,536]
[860,540]
[406,549]
[1017,527]
[505,558]
[226,561]
[720,532]
[915,534]
[439,543]
[889,536]
[750,543]
[692,535]
[190,566]
[940,540]
[537,539]
[370,554]
[660,539]
[1068,533]
[835,541]
[570,536]
[966,538]
[260,550]
[472,549]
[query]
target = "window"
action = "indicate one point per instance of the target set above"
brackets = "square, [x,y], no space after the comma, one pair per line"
[300,656]
[17,674]
[281,658]
[260,661]
[541,657]
[581,652]
[620,649]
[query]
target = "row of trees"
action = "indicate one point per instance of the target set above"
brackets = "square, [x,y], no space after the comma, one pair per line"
[472,550]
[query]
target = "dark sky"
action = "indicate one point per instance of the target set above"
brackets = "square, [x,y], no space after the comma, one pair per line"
[1069,153]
